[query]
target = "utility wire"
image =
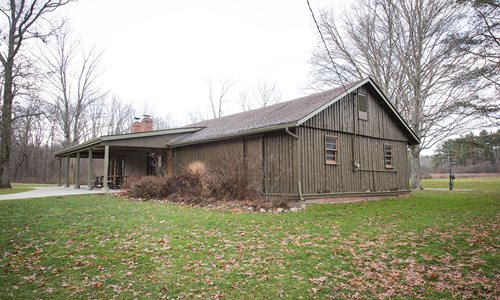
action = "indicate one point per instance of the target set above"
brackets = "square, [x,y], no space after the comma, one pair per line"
[326,47]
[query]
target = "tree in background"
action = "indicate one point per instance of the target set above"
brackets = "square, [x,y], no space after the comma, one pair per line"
[479,153]
[481,41]
[217,99]
[265,93]
[408,48]
[22,22]
[72,75]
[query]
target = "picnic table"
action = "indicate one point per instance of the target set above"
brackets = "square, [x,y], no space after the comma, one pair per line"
[114,181]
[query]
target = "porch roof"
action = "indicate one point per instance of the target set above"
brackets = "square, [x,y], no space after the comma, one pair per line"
[127,140]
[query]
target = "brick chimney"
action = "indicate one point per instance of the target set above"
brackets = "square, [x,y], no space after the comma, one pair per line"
[146,123]
[136,126]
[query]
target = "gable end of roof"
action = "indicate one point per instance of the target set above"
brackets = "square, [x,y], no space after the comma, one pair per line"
[413,137]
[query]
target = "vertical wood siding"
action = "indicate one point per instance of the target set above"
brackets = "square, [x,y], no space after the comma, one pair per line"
[208,153]
[280,172]
[283,159]
[319,177]
[341,120]
[339,117]
[271,156]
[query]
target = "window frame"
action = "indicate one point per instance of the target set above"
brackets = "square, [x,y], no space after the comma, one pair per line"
[363,114]
[388,157]
[334,151]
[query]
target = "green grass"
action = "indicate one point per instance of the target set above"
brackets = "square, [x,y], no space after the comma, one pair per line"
[476,183]
[32,185]
[431,245]
[23,187]
[14,190]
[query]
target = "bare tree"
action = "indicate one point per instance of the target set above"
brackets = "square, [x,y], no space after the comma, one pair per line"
[481,42]
[166,121]
[267,93]
[405,47]
[22,22]
[217,99]
[28,135]
[196,115]
[97,118]
[481,38]
[72,74]
[119,116]
[244,100]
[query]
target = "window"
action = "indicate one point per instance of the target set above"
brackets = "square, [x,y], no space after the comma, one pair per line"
[331,143]
[363,106]
[388,156]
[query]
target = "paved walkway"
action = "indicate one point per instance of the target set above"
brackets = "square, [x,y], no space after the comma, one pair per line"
[447,189]
[39,192]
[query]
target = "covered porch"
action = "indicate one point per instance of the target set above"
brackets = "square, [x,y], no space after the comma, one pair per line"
[124,156]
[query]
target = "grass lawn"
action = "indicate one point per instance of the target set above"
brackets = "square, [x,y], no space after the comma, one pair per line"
[14,190]
[32,185]
[23,187]
[476,183]
[432,245]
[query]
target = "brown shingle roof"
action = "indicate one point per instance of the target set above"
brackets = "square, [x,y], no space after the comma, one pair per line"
[266,117]
[286,114]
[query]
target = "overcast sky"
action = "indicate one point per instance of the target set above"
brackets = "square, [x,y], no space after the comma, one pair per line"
[163,53]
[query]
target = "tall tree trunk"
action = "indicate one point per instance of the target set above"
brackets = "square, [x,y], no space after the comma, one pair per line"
[6,133]
[415,167]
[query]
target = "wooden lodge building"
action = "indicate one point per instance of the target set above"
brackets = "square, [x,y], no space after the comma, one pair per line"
[345,141]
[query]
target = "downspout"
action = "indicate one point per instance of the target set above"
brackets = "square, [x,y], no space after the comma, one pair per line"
[297,161]
[355,163]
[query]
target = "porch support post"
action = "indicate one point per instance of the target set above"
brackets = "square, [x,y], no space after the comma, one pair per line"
[106,167]
[77,184]
[67,171]
[59,173]
[89,171]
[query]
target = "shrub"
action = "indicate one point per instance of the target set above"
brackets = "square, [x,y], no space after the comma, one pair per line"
[230,178]
[149,187]
[197,168]
[186,184]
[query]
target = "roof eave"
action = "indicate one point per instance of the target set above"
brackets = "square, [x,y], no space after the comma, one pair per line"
[78,148]
[126,136]
[414,140]
[233,135]
[335,99]
[149,133]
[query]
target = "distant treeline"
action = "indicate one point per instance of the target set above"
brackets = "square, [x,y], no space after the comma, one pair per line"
[470,154]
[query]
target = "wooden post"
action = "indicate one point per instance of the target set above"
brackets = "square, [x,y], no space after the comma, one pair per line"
[106,167]
[60,172]
[77,184]
[67,171]
[89,171]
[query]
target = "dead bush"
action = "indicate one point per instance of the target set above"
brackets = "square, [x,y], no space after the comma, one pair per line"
[189,183]
[196,168]
[130,181]
[150,187]
[229,178]
[186,184]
